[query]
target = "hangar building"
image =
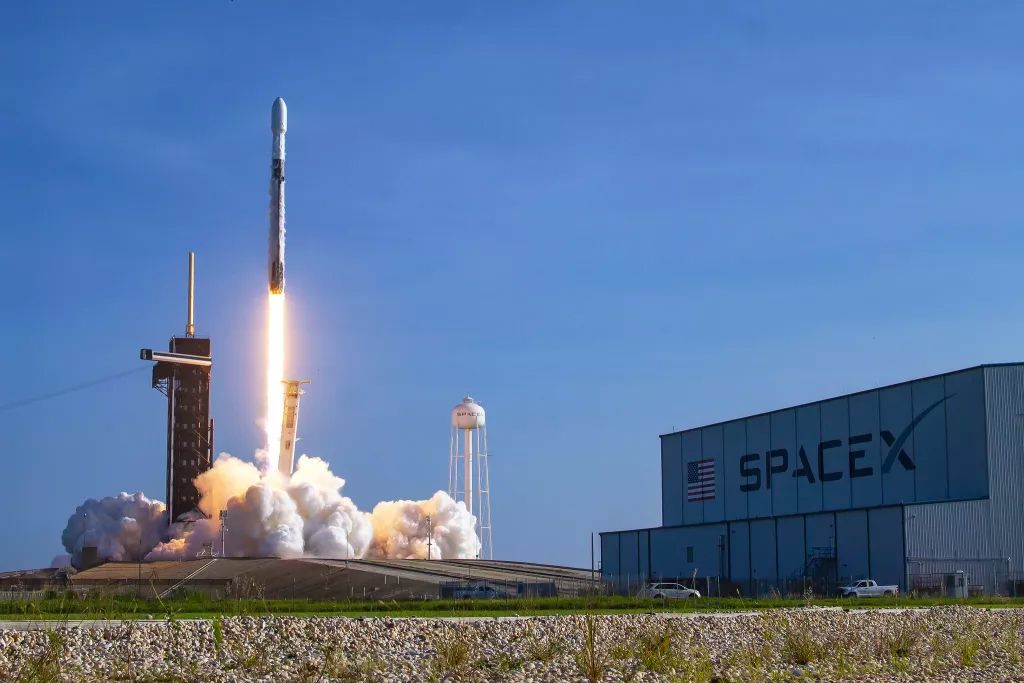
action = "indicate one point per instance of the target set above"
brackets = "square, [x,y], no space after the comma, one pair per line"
[906,484]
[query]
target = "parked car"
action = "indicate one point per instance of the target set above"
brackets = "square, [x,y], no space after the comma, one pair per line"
[668,590]
[866,588]
[479,592]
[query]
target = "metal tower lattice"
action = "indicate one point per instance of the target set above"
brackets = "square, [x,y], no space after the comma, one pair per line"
[468,450]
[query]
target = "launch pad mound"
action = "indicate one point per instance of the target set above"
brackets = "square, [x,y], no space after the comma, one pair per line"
[330,579]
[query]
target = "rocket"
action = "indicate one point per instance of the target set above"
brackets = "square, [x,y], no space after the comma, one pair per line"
[275,245]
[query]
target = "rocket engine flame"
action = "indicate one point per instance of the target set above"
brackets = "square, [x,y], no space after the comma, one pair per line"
[275,374]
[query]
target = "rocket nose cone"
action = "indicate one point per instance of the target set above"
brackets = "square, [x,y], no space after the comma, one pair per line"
[279,116]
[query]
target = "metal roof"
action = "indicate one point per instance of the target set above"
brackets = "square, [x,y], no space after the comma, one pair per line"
[832,398]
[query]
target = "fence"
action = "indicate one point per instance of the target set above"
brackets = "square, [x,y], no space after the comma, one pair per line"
[716,586]
[632,584]
[23,595]
[983,577]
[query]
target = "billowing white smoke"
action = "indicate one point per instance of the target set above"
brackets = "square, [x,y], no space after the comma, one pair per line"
[273,516]
[124,527]
[270,515]
[401,529]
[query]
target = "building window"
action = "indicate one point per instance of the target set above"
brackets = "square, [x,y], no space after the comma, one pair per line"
[689,554]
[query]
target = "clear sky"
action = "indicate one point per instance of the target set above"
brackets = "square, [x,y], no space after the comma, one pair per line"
[603,222]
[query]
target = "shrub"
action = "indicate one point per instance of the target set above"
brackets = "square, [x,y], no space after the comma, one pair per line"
[452,655]
[590,660]
[798,645]
[967,648]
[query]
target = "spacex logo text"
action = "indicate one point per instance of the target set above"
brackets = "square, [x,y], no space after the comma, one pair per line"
[831,462]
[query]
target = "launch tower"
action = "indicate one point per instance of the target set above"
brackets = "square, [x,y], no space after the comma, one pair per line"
[183,376]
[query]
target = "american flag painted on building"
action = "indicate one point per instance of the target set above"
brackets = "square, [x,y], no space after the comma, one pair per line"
[700,480]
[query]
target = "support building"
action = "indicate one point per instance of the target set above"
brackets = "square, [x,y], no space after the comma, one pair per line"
[911,484]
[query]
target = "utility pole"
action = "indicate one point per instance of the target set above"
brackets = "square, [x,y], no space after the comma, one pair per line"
[223,533]
[138,587]
[593,574]
[430,536]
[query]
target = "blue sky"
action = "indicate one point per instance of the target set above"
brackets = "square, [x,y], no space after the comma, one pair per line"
[601,221]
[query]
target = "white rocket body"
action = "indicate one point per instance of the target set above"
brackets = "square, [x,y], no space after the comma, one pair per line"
[275,247]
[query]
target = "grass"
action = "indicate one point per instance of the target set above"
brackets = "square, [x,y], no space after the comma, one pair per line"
[337,666]
[197,605]
[661,650]
[967,648]
[590,659]
[47,666]
[654,650]
[902,642]
[799,646]
[452,655]
[543,650]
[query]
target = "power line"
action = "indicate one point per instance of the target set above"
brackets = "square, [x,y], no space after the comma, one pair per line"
[68,390]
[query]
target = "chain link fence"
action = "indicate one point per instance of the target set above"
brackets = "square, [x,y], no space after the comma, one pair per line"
[980,577]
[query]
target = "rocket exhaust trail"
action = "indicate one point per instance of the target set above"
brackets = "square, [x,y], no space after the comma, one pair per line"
[275,373]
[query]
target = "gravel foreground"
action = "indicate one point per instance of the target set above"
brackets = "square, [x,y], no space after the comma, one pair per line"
[947,643]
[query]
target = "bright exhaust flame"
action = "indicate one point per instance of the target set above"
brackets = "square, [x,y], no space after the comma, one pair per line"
[275,374]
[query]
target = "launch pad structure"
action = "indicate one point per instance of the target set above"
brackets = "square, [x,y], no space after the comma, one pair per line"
[183,376]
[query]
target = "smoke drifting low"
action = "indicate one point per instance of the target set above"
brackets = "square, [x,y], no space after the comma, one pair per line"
[121,528]
[270,515]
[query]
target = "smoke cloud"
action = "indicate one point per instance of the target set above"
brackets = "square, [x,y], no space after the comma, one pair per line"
[401,529]
[270,515]
[124,527]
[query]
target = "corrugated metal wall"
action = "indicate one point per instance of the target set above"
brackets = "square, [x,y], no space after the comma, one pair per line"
[1004,391]
[629,553]
[922,441]
[885,546]
[672,550]
[735,448]
[783,484]
[958,530]
[763,548]
[957,438]
[853,557]
[610,554]
[791,552]
[739,552]
[764,554]
[864,419]
[671,480]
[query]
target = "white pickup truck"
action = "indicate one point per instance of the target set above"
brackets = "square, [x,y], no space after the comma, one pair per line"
[866,588]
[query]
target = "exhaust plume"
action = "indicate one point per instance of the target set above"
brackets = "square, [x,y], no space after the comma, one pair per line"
[122,528]
[304,515]
[401,529]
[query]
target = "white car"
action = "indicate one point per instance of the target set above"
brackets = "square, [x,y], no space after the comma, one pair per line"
[866,588]
[668,590]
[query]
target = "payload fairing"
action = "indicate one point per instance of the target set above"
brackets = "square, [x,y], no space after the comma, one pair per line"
[275,246]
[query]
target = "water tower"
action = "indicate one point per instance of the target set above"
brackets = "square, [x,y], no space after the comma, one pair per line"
[469,443]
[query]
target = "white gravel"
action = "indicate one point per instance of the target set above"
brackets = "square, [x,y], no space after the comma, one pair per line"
[949,644]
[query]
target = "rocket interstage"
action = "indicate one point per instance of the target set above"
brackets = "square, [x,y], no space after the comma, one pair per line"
[275,245]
